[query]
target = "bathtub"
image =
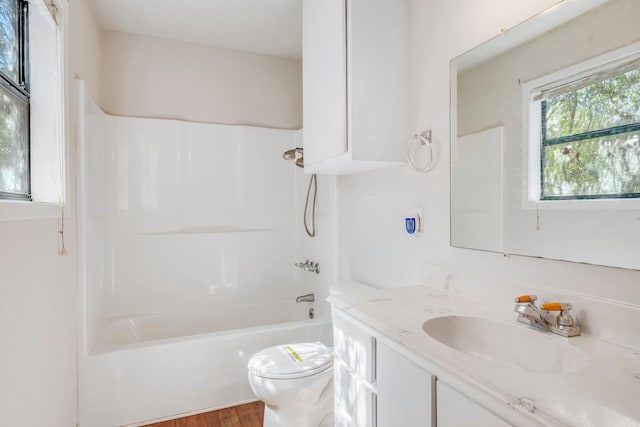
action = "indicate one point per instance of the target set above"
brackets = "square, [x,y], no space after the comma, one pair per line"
[155,367]
[132,330]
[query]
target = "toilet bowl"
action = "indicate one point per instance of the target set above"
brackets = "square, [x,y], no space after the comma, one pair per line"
[295,381]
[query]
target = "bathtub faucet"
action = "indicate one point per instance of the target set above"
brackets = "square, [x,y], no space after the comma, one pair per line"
[306,298]
[311,266]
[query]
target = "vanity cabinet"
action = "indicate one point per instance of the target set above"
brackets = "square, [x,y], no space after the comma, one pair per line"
[355,84]
[454,409]
[374,384]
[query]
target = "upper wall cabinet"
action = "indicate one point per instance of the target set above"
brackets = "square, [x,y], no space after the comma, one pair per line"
[355,84]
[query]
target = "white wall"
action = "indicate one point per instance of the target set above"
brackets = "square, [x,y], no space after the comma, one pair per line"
[38,303]
[152,77]
[375,248]
[84,47]
[37,326]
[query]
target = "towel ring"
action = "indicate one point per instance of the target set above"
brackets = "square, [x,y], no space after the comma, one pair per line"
[425,141]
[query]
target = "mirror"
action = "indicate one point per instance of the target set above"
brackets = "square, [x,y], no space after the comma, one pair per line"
[498,123]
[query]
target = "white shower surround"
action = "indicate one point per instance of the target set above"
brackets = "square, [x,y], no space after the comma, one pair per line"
[187,233]
[208,207]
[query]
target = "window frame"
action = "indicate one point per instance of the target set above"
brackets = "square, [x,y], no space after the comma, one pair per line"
[21,90]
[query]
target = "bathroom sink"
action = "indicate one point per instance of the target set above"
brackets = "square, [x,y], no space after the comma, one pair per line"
[507,344]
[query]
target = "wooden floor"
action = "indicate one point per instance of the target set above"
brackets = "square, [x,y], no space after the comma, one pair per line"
[249,415]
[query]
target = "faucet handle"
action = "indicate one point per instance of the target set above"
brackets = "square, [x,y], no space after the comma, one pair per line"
[555,306]
[526,299]
[565,324]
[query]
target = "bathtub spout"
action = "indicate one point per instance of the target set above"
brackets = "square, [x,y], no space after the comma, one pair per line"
[306,298]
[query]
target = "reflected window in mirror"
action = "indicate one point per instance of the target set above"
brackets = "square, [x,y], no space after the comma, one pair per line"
[591,139]
[587,127]
[497,199]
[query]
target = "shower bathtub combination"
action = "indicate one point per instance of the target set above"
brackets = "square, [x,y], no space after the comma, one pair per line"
[186,250]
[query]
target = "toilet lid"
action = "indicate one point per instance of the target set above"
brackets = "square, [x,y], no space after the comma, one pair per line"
[291,360]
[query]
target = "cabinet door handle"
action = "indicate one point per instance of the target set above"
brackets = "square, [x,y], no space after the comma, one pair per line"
[434,402]
[374,410]
[374,357]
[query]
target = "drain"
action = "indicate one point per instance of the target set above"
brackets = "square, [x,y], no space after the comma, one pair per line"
[311,313]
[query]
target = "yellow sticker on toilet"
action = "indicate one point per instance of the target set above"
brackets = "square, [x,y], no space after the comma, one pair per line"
[293,354]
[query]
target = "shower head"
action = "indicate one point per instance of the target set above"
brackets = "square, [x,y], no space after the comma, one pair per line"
[291,154]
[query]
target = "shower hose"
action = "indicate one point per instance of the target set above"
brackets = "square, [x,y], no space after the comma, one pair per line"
[313,186]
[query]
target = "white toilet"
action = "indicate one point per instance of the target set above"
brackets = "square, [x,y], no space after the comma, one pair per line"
[295,381]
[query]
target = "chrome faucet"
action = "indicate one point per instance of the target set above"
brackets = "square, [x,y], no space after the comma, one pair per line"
[306,298]
[311,266]
[530,314]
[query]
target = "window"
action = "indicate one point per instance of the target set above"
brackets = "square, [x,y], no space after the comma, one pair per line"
[590,134]
[32,131]
[14,101]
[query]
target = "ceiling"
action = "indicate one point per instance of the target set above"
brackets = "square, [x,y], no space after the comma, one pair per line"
[272,27]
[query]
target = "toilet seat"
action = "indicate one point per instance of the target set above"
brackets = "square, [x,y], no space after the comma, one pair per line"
[290,361]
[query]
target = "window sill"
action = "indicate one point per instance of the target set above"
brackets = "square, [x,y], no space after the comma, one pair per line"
[587,204]
[18,210]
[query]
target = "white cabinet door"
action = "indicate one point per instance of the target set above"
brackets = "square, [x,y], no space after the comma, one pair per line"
[354,346]
[454,409]
[324,79]
[377,79]
[355,400]
[354,372]
[405,391]
[355,67]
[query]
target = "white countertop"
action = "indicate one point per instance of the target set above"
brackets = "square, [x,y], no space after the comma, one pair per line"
[605,393]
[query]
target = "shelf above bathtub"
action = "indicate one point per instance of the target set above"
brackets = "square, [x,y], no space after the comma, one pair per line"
[206,230]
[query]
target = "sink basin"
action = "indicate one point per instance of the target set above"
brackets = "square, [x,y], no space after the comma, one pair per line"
[506,344]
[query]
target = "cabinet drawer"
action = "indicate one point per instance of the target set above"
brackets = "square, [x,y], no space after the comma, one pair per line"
[353,346]
[355,401]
